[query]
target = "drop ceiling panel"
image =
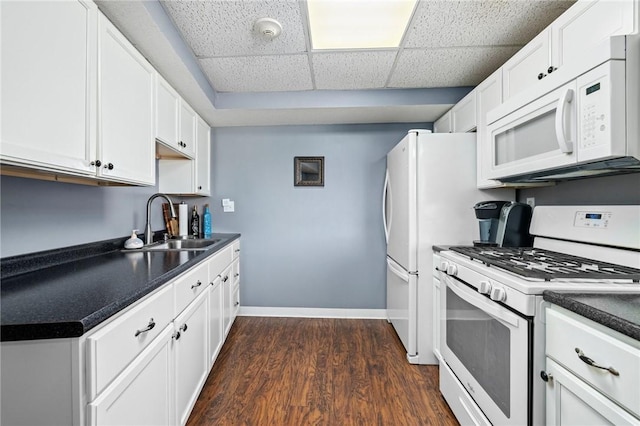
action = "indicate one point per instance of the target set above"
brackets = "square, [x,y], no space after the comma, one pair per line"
[480,23]
[352,70]
[225,28]
[452,67]
[258,73]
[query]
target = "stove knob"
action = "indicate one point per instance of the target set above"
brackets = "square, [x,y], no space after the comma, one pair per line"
[498,294]
[485,287]
[452,270]
[443,266]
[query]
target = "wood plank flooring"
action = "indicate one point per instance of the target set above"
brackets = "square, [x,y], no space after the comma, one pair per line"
[294,371]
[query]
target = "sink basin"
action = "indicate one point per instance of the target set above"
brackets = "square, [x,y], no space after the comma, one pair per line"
[191,244]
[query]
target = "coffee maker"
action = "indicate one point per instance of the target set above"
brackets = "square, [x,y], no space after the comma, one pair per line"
[503,224]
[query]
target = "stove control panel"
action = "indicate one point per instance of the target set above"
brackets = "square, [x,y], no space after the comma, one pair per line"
[592,219]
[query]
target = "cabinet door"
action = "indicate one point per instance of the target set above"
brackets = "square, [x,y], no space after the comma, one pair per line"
[463,114]
[226,299]
[125,91]
[443,124]
[167,113]
[203,158]
[436,318]
[191,356]
[524,69]
[187,129]
[488,96]
[571,402]
[48,84]
[216,336]
[587,24]
[143,393]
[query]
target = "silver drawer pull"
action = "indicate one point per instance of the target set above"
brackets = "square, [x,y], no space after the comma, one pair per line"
[183,328]
[198,284]
[592,363]
[236,304]
[236,275]
[144,330]
[225,279]
[237,250]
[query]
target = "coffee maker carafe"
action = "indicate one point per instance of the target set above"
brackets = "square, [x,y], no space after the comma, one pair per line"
[503,224]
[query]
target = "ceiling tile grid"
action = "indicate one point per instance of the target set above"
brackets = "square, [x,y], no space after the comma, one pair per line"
[352,70]
[457,23]
[451,67]
[448,43]
[225,27]
[258,73]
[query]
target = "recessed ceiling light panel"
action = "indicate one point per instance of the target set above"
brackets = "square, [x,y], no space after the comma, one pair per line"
[358,24]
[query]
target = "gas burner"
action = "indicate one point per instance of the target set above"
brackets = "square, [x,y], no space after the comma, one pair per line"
[536,263]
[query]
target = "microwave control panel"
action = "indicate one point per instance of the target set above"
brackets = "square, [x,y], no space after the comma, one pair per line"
[594,120]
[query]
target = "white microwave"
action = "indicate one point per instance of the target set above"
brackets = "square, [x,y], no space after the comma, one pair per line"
[586,126]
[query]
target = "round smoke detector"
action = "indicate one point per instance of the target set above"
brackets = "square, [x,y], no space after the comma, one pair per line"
[268,28]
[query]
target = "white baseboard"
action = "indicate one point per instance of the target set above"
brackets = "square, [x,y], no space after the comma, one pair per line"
[260,311]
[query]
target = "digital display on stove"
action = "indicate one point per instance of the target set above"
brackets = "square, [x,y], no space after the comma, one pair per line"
[593,216]
[592,219]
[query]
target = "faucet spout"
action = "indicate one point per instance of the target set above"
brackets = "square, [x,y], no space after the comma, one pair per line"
[148,236]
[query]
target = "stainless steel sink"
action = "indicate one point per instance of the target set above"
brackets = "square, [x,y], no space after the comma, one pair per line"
[190,244]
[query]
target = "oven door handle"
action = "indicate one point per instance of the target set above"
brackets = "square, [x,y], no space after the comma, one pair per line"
[480,302]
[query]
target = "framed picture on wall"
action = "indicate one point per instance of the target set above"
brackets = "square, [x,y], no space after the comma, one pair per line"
[308,171]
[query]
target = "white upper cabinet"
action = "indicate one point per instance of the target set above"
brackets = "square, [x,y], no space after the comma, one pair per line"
[587,24]
[463,114]
[488,96]
[48,85]
[583,26]
[126,109]
[529,65]
[203,163]
[167,114]
[187,129]
[443,124]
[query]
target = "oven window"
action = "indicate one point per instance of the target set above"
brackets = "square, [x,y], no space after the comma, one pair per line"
[483,345]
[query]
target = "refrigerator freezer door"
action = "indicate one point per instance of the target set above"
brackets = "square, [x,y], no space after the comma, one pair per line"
[400,203]
[401,304]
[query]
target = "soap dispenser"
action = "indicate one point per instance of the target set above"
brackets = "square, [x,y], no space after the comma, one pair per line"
[134,242]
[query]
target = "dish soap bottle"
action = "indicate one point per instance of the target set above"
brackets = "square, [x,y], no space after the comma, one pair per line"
[195,222]
[206,221]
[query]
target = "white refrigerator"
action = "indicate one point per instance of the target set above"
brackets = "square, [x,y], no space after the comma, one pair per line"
[428,198]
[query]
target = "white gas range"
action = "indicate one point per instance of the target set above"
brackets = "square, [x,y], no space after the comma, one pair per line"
[492,323]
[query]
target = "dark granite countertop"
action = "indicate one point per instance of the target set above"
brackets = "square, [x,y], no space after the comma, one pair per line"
[618,311]
[439,248]
[66,292]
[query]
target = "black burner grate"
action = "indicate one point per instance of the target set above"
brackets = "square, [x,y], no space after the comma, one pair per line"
[546,264]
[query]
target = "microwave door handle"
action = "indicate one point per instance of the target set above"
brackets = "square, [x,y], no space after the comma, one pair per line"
[385,195]
[490,308]
[566,146]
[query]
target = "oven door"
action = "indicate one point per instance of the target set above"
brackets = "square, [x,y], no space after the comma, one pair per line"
[488,348]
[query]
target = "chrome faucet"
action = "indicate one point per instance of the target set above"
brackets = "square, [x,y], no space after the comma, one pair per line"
[148,236]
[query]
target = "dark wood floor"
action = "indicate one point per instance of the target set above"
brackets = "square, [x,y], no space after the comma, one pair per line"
[293,371]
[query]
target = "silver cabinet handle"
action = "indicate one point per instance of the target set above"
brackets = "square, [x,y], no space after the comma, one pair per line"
[183,328]
[592,363]
[198,284]
[225,279]
[176,335]
[236,304]
[144,330]
[237,250]
[236,274]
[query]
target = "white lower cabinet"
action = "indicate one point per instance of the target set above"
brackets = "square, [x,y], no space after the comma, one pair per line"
[143,393]
[592,372]
[216,331]
[191,356]
[436,307]
[144,366]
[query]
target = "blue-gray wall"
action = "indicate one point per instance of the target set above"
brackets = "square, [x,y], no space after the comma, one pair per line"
[306,246]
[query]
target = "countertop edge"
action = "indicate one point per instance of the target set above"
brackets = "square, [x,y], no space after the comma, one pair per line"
[607,319]
[74,329]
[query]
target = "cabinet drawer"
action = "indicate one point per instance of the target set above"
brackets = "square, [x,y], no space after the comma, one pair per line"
[188,286]
[113,347]
[235,272]
[565,334]
[236,248]
[220,261]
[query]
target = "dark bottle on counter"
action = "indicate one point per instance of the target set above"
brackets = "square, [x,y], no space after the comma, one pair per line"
[195,222]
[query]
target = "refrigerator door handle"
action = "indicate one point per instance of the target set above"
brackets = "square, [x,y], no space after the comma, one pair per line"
[400,273]
[386,194]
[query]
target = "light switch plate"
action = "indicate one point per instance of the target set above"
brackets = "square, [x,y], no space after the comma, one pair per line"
[229,207]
